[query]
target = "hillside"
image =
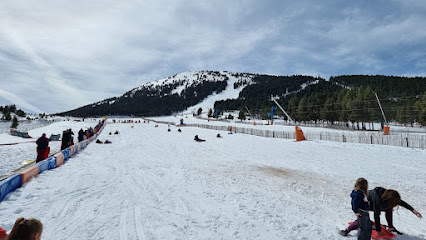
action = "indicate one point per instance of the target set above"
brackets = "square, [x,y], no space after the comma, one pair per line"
[306,98]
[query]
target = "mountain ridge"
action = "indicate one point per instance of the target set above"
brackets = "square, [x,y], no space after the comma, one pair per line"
[223,91]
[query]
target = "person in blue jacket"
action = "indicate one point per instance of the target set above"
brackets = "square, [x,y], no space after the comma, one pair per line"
[360,206]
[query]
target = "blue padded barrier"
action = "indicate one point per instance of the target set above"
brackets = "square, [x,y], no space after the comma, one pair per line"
[76,148]
[9,185]
[4,187]
[82,145]
[42,166]
[66,153]
[52,162]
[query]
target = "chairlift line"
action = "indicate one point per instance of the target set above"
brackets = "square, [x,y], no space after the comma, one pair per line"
[283,110]
[383,113]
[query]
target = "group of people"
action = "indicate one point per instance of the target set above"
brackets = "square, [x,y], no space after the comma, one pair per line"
[67,139]
[24,229]
[377,200]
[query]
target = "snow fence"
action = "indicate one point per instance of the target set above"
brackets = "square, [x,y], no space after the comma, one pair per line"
[410,140]
[22,176]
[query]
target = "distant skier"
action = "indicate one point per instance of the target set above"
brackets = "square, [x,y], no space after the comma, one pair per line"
[179,130]
[196,138]
[99,141]
[218,135]
[42,147]
[116,132]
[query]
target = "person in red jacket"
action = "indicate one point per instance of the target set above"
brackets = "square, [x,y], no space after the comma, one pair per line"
[42,147]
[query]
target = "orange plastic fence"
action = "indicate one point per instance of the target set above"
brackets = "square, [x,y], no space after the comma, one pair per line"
[28,173]
[299,134]
[59,159]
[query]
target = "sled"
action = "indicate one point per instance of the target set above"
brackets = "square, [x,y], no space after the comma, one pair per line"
[26,162]
[386,233]
[54,137]
[200,140]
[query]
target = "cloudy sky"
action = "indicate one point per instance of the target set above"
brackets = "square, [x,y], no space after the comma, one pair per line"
[57,55]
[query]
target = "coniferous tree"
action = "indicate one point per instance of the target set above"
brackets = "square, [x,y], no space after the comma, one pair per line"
[7,116]
[15,122]
[241,115]
[12,108]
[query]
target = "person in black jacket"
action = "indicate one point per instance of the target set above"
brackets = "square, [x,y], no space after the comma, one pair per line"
[381,199]
[80,135]
[42,144]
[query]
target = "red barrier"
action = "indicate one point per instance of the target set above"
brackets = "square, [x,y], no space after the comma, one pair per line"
[28,173]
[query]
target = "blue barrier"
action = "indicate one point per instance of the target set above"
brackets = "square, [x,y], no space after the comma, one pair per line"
[52,162]
[42,166]
[10,185]
[4,187]
[76,148]
[82,145]
[66,153]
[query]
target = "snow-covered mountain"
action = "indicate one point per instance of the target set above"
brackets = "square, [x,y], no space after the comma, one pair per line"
[184,92]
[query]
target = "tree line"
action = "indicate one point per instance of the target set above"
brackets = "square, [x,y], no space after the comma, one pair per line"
[342,98]
[7,114]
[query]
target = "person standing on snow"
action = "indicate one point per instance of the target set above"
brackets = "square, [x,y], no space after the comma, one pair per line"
[42,147]
[382,199]
[80,135]
[360,207]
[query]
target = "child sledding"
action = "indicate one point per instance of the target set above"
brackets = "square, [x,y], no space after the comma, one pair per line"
[197,139]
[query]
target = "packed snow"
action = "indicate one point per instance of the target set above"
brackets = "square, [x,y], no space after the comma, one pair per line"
[154,184]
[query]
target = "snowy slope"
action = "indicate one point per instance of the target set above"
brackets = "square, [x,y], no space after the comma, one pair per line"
[228,93]
[154,184]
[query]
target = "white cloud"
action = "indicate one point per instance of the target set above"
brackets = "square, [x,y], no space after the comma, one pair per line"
[64,54]
[18,101]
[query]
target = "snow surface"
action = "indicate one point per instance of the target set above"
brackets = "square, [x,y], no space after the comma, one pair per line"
[154,184]
[25,149]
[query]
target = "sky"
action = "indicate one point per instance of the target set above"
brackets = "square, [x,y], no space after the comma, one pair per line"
[58,55]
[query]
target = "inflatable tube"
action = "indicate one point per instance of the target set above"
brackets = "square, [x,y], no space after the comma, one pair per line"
[52,162]
[15,181]
[66,153]
[72,149]
[9,185]
[42,166]
[28,173]
[59,159]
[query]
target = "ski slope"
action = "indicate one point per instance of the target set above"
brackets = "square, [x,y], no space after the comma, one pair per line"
[154,184]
